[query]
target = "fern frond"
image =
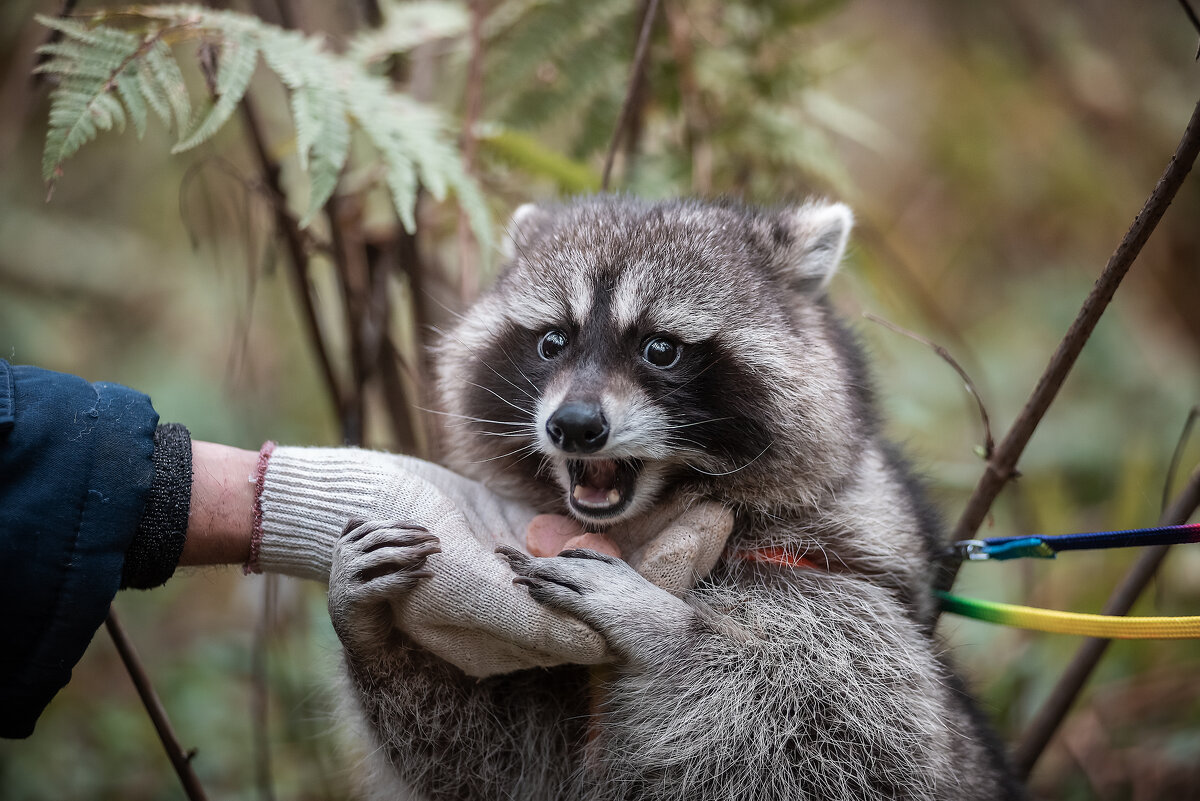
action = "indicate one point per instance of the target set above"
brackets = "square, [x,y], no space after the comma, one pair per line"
[109,76]
[164,70]
[130,91]
[407,25]
[552,33]
[239,57]
[153,92]
[86,64]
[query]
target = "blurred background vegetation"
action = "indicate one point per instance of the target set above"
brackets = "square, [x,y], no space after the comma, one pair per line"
[994,152]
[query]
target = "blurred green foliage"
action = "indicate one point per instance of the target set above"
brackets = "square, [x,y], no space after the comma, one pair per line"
[994,153]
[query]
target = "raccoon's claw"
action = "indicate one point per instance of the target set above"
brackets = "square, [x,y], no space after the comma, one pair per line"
[587,553]
[604,592]
[375,562]
[357,528]
[381,558]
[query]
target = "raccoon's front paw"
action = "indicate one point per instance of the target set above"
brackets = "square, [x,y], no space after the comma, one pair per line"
[374,563]
[636,618]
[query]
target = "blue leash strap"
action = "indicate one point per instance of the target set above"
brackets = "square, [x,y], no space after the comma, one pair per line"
[1045,547]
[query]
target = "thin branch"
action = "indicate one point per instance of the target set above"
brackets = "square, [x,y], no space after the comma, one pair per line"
[468,247]
[696,124]
[260,692]
[180,760]
[349,264]
[1002,466]
[1048,718]
[68,8]
[635,78]
[989,444]
[1177,454]
[297,256]
[1192,18]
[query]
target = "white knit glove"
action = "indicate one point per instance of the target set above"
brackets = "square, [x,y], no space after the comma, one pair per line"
[469,613]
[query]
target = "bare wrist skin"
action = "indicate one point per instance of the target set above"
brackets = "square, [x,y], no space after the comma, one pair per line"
[221,519]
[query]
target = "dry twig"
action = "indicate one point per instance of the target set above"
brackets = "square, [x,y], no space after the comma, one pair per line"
[988,444]
[180,759]
[468,246]
[635,78]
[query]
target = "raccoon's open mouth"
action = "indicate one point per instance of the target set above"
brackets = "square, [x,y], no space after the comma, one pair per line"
[601,487]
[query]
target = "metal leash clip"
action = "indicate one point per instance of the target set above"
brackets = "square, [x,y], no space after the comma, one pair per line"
[974,550]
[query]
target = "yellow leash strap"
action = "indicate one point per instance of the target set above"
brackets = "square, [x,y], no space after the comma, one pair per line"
[1107,626]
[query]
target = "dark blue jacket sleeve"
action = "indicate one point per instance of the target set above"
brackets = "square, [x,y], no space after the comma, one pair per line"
[75,469]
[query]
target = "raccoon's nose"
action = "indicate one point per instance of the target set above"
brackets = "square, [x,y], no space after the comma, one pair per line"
[578,427]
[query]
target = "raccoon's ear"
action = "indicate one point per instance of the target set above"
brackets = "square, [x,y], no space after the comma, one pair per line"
[526,222]
[813,242]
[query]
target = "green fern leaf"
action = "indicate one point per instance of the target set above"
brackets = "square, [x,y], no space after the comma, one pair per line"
[109,77]
[86,63]
[164,70]
[326,136]
[131,95]
[239,57]
[153,92]
[97,40]
[407,25]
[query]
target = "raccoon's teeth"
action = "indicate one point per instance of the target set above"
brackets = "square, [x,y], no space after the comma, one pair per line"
[613,496]
[578,493]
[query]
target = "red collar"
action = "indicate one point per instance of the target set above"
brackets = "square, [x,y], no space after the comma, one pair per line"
[774,555]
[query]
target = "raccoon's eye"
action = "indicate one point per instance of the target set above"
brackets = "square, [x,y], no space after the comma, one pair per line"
[553,343]
[661,352]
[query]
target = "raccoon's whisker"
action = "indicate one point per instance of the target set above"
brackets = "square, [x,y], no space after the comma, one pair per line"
[530,447]
[696,423]
[522,372]
[528,433]
[474,419]
[501,375]
[687,444]
[736,469]
[701,372]
[501,397]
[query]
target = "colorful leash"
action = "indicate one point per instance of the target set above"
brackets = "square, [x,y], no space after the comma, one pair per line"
[1110,627]
[1045,547]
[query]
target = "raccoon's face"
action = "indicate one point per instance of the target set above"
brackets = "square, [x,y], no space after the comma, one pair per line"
[630,347]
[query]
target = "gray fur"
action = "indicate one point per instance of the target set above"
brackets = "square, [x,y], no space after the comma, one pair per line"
[762,683]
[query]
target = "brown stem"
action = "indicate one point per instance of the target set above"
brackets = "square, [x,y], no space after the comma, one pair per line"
[349,261]
[468,248]
[695,119]
[1052,712]
[1192,18]
[54,37]
[180,760]
[635,79]
[297,256]
[259,691]
[1002,466]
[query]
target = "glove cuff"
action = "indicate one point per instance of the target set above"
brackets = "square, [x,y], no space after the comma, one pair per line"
[153,554]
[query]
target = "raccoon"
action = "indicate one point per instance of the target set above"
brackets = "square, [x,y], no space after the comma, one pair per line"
[636,353]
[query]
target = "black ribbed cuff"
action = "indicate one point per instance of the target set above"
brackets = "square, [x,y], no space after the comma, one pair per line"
[154,552]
